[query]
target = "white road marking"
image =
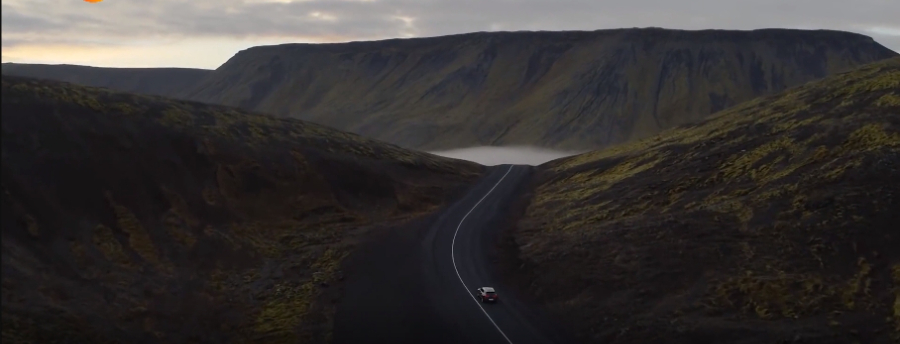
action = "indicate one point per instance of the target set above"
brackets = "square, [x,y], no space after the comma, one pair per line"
[453,257]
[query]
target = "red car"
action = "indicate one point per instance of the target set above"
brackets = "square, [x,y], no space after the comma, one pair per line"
[486,294]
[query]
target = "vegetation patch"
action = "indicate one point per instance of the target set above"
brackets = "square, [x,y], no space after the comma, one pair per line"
[778,211]
[188,222]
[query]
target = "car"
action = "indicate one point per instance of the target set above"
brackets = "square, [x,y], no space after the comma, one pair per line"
[486,294]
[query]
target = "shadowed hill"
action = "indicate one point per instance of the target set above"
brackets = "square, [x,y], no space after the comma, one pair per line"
[566,90]
[137,219]
[773,221]
[170,82]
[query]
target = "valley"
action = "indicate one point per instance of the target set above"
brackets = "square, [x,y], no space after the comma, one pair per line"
[615,186]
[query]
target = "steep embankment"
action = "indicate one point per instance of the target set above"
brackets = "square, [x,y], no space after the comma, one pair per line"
[132,219]
[567,90]
[774,220]
[169,82]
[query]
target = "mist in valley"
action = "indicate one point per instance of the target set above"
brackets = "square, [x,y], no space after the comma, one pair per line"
[498,155]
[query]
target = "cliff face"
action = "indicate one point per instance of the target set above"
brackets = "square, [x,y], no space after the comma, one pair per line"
[773,221]
[571,90]
[169,82]
[135,219]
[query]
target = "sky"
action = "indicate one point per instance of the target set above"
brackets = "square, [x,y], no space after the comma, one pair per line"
[205,33]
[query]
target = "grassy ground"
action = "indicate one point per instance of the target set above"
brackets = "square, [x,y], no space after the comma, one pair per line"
[140,219]
[774,220]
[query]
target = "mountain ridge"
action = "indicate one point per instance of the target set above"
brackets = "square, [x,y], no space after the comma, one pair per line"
[760,33]
[569,90]
[162,81]
[564,89]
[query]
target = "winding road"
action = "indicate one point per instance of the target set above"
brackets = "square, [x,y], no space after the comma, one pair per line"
[415,284]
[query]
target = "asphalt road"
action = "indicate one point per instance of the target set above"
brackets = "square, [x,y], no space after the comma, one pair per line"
[415,284]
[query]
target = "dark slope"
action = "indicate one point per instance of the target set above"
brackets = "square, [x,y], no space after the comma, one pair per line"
[775,221]
[169,82]
[571,90]
[137,219]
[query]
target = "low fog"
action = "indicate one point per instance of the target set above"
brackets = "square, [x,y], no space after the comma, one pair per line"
[493,155]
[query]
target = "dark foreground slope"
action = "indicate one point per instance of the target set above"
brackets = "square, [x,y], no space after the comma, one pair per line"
[169,82]
[138,219]
[568,90]
[774,220]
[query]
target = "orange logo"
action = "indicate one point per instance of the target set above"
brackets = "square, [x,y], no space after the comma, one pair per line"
[93,1]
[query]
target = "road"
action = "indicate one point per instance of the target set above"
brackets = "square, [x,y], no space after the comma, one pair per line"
[414,284]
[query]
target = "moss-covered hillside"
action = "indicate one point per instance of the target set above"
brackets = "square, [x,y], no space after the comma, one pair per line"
[570,90]
[775,220]
[137,219]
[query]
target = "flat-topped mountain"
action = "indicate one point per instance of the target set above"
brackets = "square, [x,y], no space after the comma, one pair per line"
[569,90]
[169,82]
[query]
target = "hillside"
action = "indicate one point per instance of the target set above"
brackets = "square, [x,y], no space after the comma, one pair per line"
[566,90]
[169,82]
[135,219]
[572,90]
[774,221]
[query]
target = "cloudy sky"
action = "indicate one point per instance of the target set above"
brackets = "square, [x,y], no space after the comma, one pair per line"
[205,33]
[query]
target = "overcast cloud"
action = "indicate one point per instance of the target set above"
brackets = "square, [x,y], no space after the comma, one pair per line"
[37,27]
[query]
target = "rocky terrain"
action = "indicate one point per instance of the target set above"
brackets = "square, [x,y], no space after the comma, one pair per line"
[135,219]
[169,82]
[562,90]
[774,221]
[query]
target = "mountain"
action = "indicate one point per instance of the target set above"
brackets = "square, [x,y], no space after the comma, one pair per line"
[133,219]
[169,82]
[573,90]
[774,221]
[566,90]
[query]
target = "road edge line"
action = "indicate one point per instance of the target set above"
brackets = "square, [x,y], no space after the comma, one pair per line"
[453,256]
